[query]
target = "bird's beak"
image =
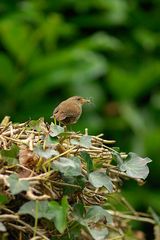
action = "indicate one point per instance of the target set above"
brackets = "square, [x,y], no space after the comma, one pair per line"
[86,100]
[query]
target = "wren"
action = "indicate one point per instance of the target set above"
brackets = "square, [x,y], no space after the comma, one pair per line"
[69,111]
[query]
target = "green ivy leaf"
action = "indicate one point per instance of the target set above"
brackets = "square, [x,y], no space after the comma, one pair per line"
[42,212]
[100,179]
[97,213]
[74,232]
[98,234]
[3,199]
[50,140]
[79,210]
[85,141]
[28,208]
[74,141]
[60,213]
[75,180]
[93,215]
[68,166]
[55,130]
[135,166]
[45,153]
[117,158]
[49,210]
[10,155]
[88,160]
[17,185]
[36,124]
[117,149]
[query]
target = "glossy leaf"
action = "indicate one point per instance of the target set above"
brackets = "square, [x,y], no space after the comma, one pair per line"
[86,157]
[10,155]
[97,213]
[68,166]
[98,233]
[30,208]
[100,179]
[85,141]
[74,141]
[74,180]
[3,199]
[45,153]
[37,124]
[60,213]
[117,158]
[79,210]
[55,130]
[50,210]
[136,166]
[94,214]
[17,185]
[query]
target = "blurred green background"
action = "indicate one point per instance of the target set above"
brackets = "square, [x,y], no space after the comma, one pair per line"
[104,49]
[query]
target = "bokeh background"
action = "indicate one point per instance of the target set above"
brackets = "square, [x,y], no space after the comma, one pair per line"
[104,49]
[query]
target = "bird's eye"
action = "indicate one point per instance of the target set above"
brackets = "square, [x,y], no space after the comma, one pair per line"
[78,98]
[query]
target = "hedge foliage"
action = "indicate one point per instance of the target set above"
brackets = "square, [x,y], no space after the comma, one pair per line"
[107,50]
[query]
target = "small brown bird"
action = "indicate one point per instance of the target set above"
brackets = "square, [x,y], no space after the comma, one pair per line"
[70,110]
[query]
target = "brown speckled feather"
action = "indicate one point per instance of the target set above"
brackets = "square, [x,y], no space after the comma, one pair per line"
[64,111]
[69,111]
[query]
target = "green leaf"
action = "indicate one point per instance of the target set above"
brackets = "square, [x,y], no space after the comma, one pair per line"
[3,199]
[10,156]
[45,153]
[50,140]
[135,166]
[74,231]
[2,228]
[100,179]
[30,208]
[85,141]
[79,210]
[93,215]
[49,210]
[117,149]
[68,166]
[98,233]
[17,185]
[88,160]
[37,124]
[75,180]
[74,141]
[60,213]
[97,213]
[55,130]
[117,158]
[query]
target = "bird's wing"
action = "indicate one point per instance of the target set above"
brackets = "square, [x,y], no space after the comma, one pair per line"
[64,112]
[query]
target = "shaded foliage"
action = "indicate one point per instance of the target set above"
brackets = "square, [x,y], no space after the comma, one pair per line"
[52,190]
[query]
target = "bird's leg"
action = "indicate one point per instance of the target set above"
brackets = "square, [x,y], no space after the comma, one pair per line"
[55,121]
[65,128]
